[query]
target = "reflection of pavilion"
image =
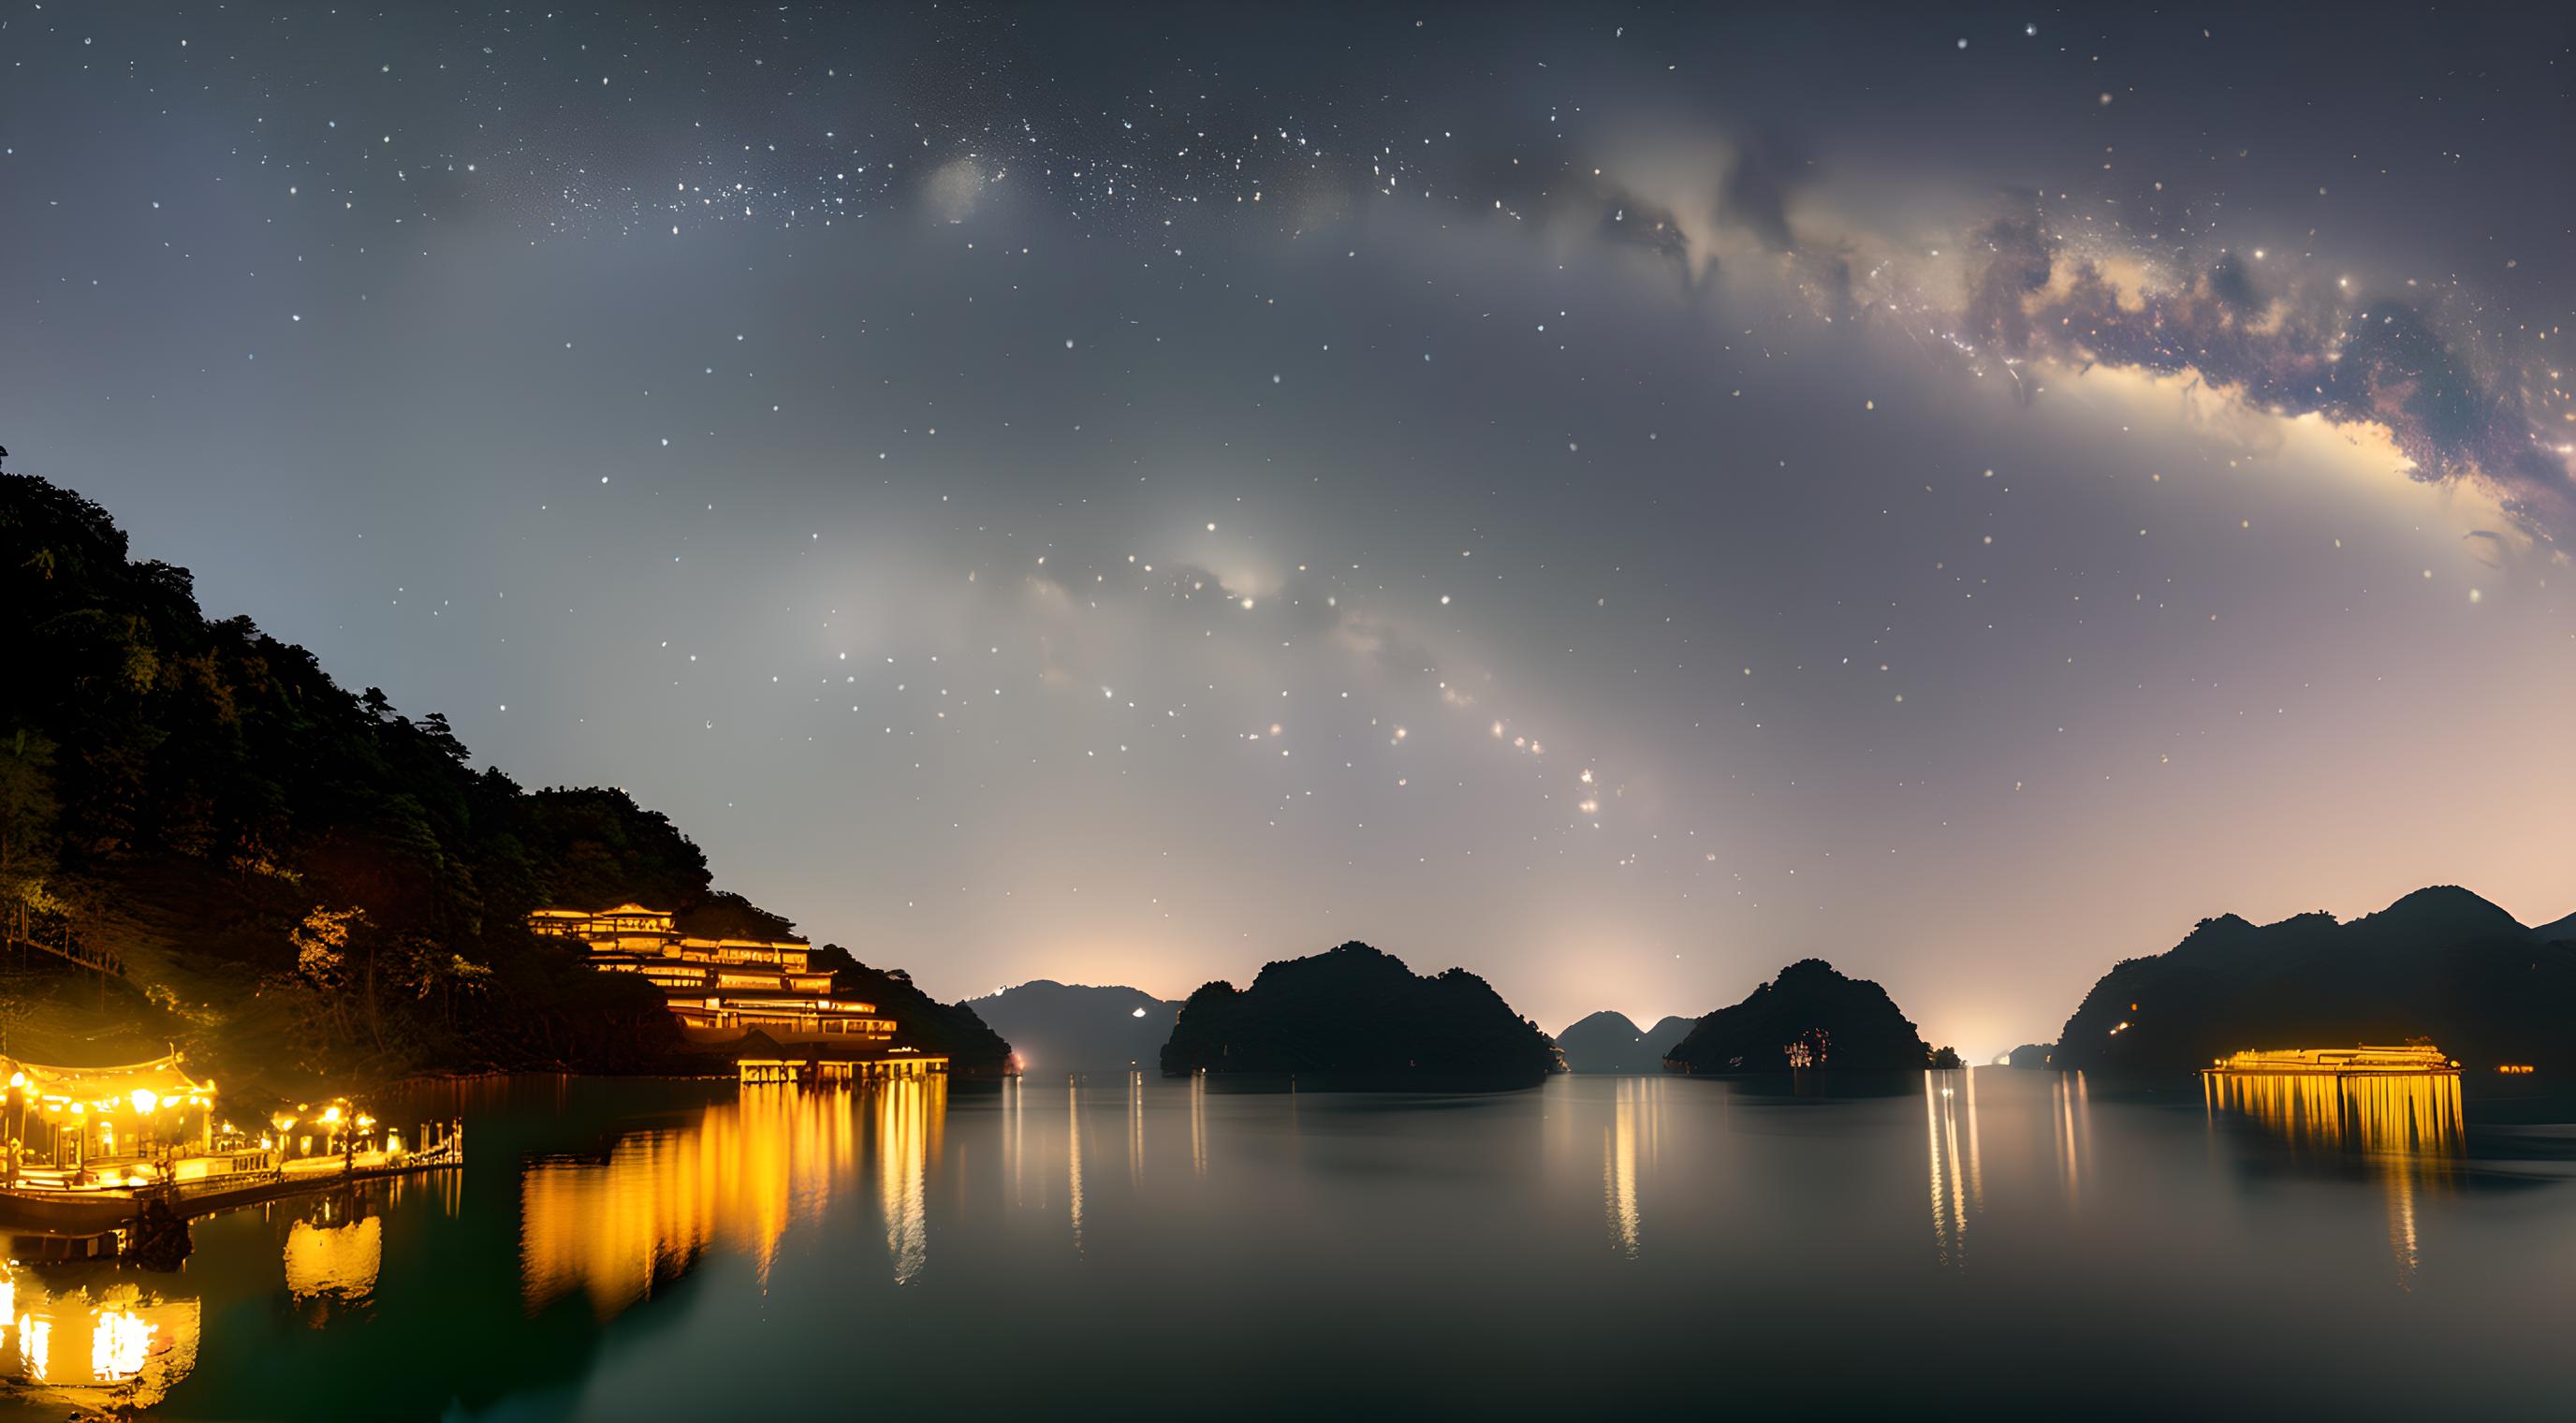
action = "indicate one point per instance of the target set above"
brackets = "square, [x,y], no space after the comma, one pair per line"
[332,1261]
[125,1348]
[740,1176]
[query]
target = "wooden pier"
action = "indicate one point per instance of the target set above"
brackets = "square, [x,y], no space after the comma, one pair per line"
[813,1071]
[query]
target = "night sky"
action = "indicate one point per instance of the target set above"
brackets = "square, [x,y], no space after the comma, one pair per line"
[1616,497]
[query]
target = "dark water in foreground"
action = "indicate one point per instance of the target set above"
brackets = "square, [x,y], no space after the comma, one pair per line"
[2007,1242]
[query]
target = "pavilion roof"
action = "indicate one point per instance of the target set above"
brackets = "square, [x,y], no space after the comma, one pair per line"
[164,1077]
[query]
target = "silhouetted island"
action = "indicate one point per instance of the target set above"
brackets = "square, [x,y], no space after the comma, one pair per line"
[1077,1027]
[2029,1055]
[1811,1016]
[1357,1018]
[2440,963]
[1612,1042]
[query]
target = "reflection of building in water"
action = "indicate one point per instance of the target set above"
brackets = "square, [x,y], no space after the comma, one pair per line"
[1011,1143]
[1135,1126]
[2071,1132]
[2407,1126]
[125,1349]
[1198,1123]
[1949,1101]
[1635,1119]
[332,1262]
[739,1177]
[909,1117]
[1073,1158]
[2415,1117]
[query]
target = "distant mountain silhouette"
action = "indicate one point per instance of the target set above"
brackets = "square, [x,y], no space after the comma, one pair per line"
[1612,1042]
[1074,1027]
[2440,963]
[2556,930]
[1840,1022]
[951,1030]
[2030,1055]
[1355,1017]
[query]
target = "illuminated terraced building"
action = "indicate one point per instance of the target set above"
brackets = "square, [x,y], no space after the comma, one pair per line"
[722,990]
[2338,1062]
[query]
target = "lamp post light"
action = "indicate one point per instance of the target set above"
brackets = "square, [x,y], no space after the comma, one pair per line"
[17,1122]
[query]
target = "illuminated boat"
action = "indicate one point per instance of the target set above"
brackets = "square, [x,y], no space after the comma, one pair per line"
[2414,1060]
[67,1214]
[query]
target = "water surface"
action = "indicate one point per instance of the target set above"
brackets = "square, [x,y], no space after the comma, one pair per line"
[1957,1243]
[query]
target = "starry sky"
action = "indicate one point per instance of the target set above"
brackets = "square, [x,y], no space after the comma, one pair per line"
[1618,497]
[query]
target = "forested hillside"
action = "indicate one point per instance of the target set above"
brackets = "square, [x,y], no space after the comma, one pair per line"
[297,882]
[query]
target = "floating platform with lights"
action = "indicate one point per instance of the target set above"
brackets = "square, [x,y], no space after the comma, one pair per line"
[2414,1060]
[89,1149]
[46,1224]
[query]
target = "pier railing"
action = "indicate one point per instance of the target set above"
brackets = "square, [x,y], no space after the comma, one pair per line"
[88,956]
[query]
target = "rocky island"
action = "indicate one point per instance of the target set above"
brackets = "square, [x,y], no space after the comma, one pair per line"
[2441,963]
[1810,1017]
[1356,1018]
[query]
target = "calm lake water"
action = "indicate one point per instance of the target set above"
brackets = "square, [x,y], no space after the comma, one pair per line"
[1961,1243]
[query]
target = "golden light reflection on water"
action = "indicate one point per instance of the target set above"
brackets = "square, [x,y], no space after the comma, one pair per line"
[1014,1092]
[2071,1133]
[1073,1159]
[331,1263]
[1198,1123]
[1619,1168]
[1949,1100]
[911,1120]
[2409,1128]
[2411,1117]
[1135,1127]
[740,1177]
[125,1349]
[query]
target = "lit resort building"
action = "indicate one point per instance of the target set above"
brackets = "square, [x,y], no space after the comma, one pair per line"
[2413,1059]
[724,990]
